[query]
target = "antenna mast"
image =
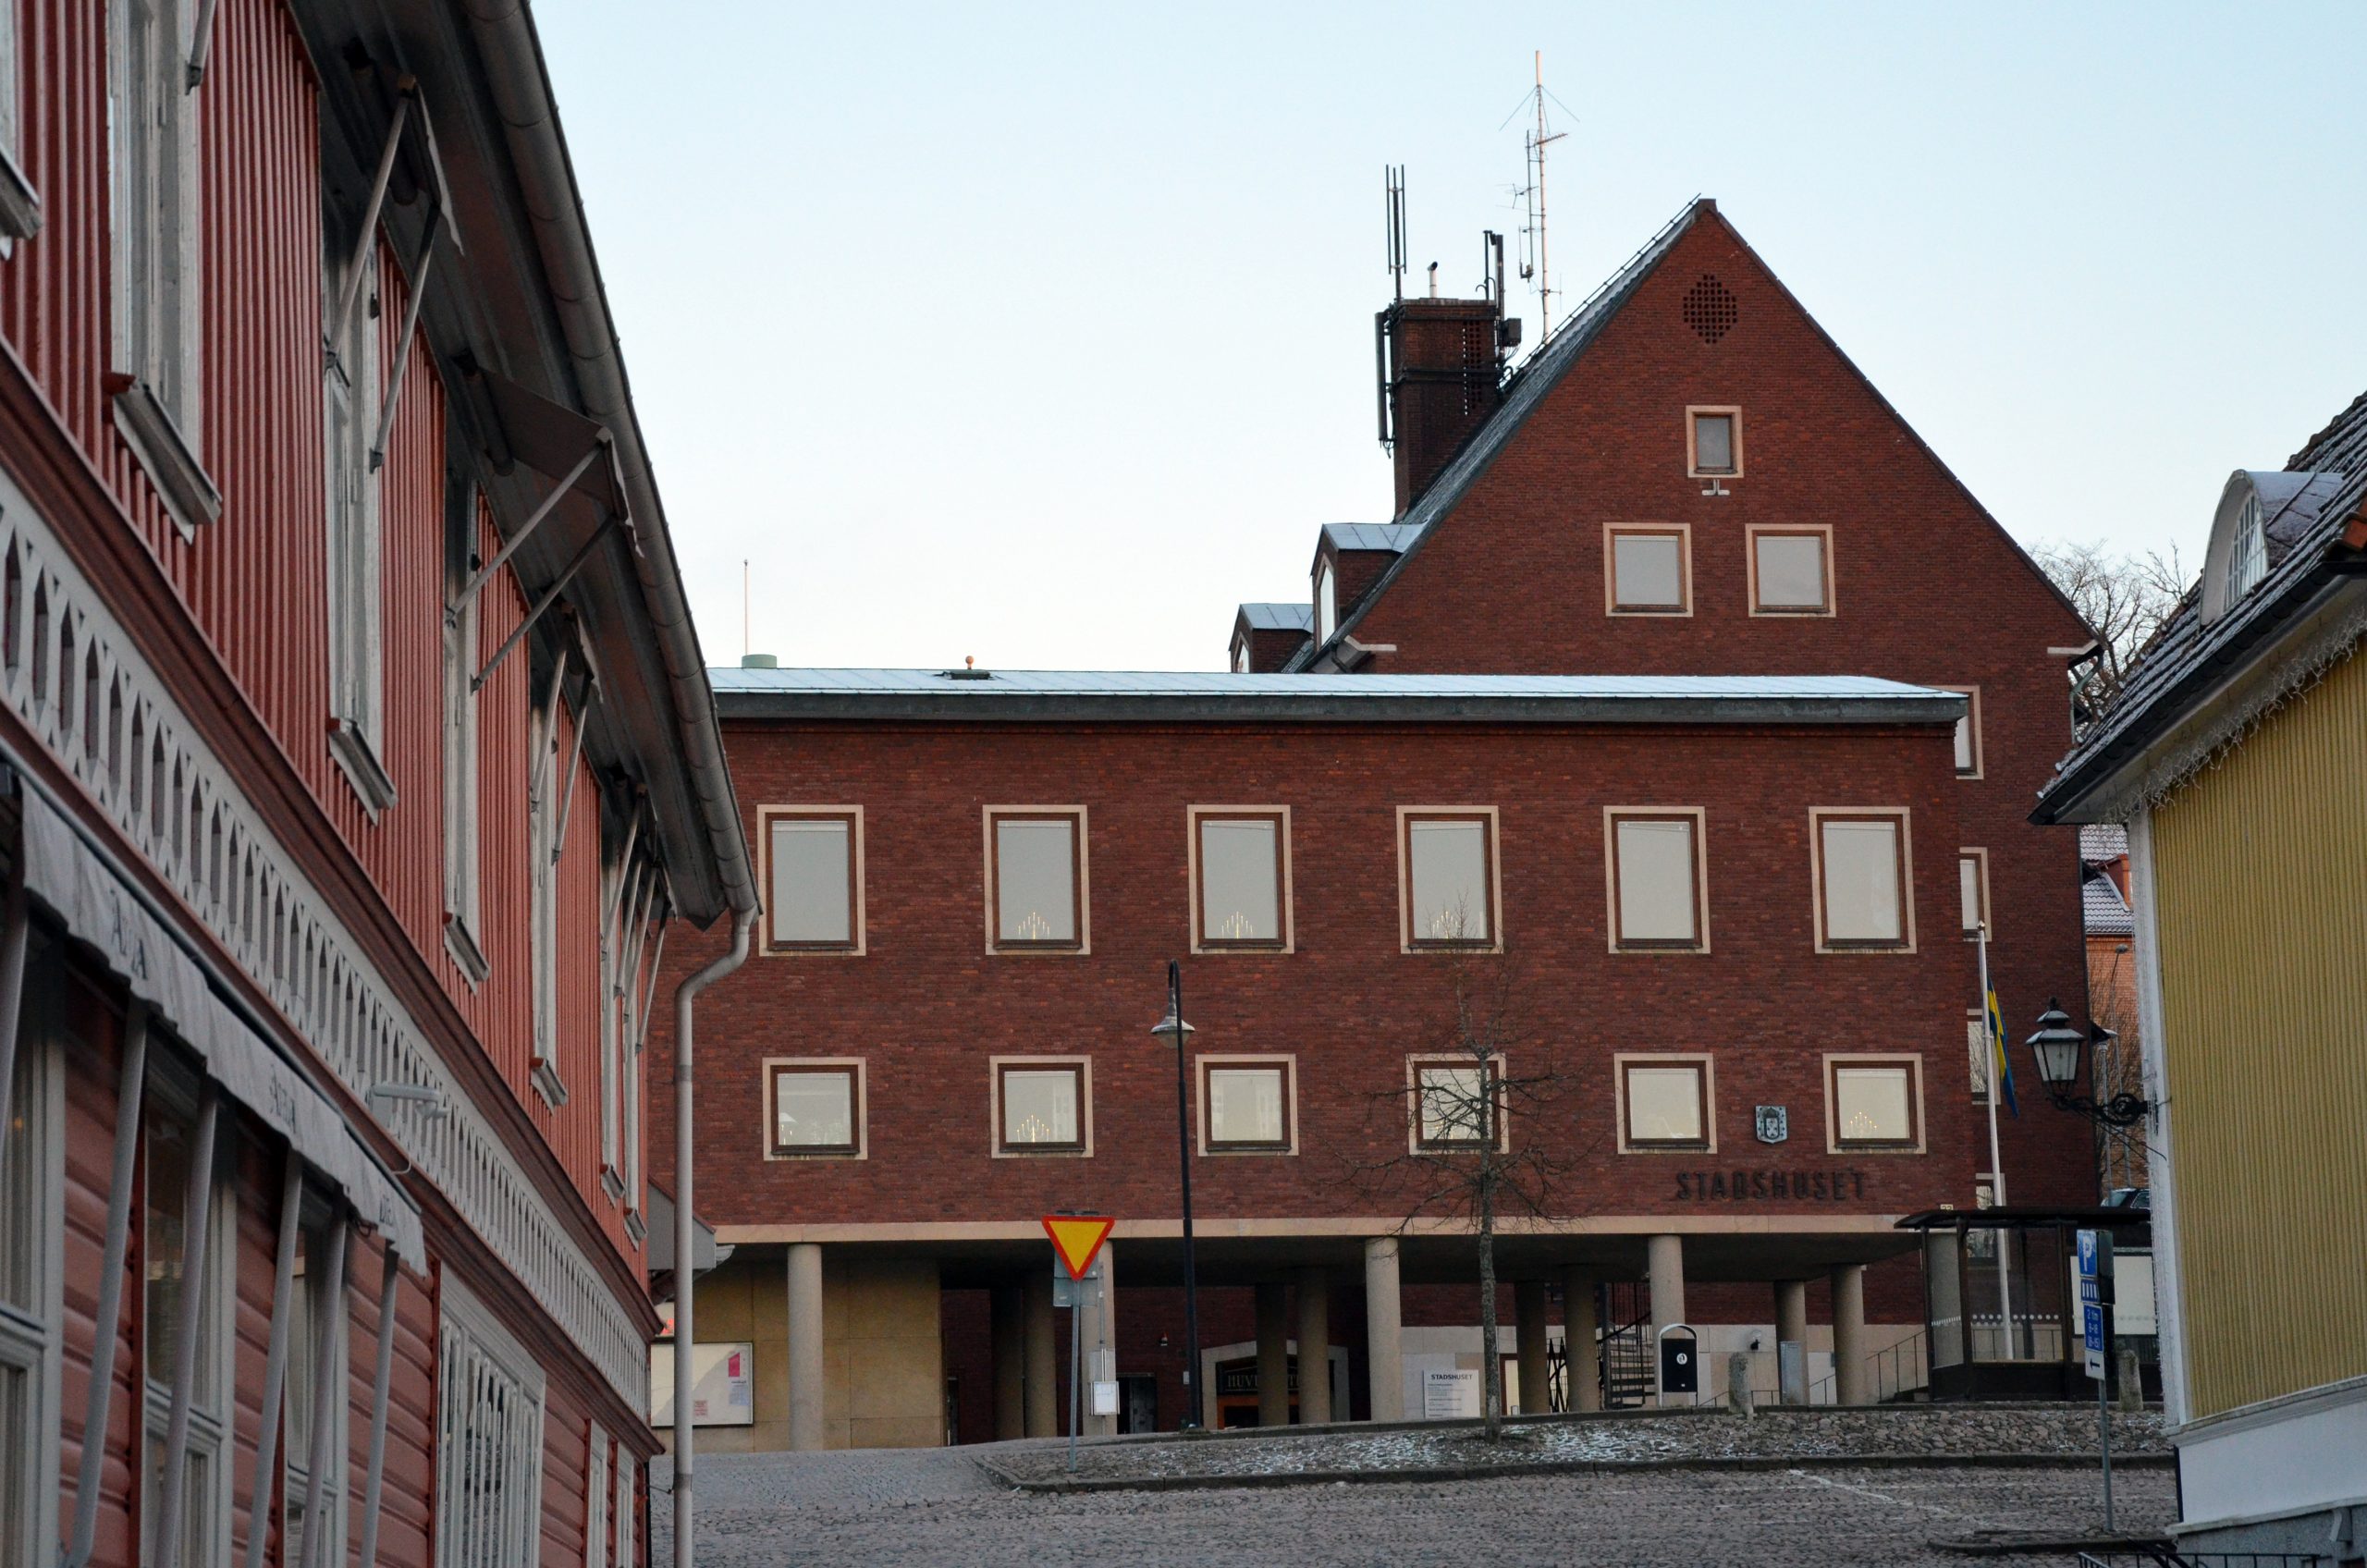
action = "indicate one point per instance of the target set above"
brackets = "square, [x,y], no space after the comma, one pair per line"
[1536,141]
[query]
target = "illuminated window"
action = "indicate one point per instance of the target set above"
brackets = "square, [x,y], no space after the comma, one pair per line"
[1040,1106]
[1874,1103]
[1449,891]
[1240,858]
[1036,878]
[1656,880]
[1861,879]
[1791,571]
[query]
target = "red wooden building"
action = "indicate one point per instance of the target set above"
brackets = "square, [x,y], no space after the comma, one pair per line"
[357,758]
[1680,624]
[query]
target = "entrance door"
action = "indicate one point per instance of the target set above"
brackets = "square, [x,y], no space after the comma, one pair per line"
[1138,1405]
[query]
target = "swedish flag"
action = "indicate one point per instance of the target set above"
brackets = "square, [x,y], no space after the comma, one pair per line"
[2001,1067]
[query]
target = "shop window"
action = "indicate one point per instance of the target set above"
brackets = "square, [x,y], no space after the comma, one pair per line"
[489,1442]
[1648,570]
[32,1210]
[1656,880]
[314,1321]
[169,1150]
[815,875]
[1791,571]
[1458,1105]
[817,1107]
[1448,887]
[1041,1108]
[1863,881]
[1664,1103]
[1875,1103]
[1241,866]
[1713,442]
[1246,1106]
[1036,878]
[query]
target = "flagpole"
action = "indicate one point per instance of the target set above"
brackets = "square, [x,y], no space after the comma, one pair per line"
[1996,1049]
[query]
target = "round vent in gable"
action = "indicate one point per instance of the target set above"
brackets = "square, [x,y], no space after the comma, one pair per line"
[1710,309]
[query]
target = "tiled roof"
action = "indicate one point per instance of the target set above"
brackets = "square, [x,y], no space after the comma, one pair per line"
[2187,658]
[1278,618]
[2103,911]
[2101,841]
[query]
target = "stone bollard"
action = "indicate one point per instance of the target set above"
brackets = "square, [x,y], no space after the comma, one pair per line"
[2133,1379]
[1738,1382]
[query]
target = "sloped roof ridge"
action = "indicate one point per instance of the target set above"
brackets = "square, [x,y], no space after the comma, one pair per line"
[1523,393]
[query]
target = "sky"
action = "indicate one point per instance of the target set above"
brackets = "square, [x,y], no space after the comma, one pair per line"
[1043,336]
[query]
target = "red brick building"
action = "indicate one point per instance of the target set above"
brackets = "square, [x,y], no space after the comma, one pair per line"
[355,753]
[1679,617]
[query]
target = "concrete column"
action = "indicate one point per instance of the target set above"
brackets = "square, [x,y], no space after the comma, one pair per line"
[805,1360]
[1384,1331]
[1579,1327]
[1792,1329]
[1947,1288]
[1664,1265]
[1010,1316]
[1314,1347]
[1043,1358]
[1273,1356]
[1531,1355]
[1101,1344]
[1849,1369]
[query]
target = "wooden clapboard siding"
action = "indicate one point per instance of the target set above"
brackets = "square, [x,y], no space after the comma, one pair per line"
[2258,865]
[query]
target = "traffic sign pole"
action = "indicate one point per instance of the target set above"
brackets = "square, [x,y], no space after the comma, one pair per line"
[2095,1273]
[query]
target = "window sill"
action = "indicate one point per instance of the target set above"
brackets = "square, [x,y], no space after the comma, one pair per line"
[1663,950]
[1217,1151]
[548,1084]
[19,203]
[359,760]
[461,944]
[612,1184]
[156,440]
[634,1227]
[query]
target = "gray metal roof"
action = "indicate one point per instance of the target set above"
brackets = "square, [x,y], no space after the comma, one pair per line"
[1278,618]
[1392,537]
[1209,697]
[2103,911]
[1523,394]
[2187,659]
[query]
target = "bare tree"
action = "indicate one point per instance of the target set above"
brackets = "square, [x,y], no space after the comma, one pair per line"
[2124,598]
[1471,1126]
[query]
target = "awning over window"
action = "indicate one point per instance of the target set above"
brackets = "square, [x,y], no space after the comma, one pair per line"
[83,892]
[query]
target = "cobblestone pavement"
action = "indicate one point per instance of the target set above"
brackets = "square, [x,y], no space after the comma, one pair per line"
[887,1508]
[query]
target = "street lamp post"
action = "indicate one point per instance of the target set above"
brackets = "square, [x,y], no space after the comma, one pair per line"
[1173,1024]
[2057,1047]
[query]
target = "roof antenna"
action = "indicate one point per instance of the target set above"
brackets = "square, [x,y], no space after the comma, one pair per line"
[1535,143]
[1393,186]
[747,642]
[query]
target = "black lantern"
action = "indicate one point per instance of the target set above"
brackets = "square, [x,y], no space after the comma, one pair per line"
[2057,1047]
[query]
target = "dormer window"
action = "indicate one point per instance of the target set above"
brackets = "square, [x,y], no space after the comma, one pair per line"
[2247,550]
[1327,603]
[1241,656]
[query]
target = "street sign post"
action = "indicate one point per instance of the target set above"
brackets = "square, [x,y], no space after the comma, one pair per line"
[2092,1269]
[1076,1247]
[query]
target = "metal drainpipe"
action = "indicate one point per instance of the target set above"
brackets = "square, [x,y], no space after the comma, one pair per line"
[683,1223]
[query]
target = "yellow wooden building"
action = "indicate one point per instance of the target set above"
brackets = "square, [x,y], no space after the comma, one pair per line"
[2237,755]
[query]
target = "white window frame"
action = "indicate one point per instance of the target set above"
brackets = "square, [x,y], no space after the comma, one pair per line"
[356,550]
[1699,817]
[546,759]
[1488,818]
[477,1355]
[628,1541]
[1817,815]
[857,924]
[1084,1065]
[19,202]
[1913,1062]
[155,275]
[1287,1064]
[597,1495]
[1980,858]
[206,1514]
[1751,536]
[1193,817]
[463,780]
[856,1068]
[1615,532]
[1693,412]
[1326,600]
[296,1458]
[1970,727]
[32,1340]
[1708,1064]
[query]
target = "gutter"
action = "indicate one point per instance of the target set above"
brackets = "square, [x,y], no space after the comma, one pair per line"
[512,59]
[1023,707]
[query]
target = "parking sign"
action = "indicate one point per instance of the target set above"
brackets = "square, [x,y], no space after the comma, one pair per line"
[2094,1262]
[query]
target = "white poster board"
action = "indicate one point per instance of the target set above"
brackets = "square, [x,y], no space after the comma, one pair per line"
[1450,1396]
[723,1386]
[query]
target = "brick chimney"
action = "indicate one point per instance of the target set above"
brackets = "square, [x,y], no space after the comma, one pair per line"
[1441,375]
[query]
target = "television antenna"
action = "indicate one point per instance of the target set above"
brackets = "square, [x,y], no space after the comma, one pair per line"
[1535,258]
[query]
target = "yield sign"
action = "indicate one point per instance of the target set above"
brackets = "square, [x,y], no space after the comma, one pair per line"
[1077,1239]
